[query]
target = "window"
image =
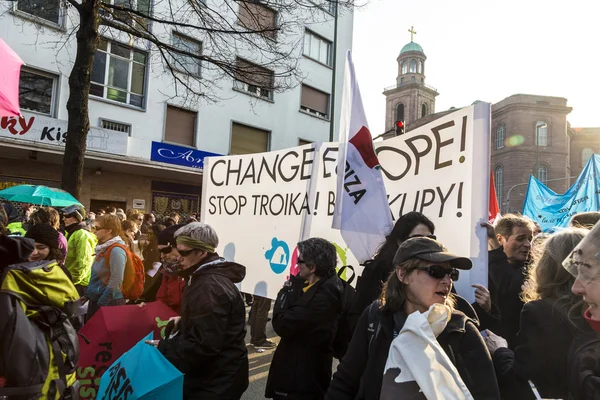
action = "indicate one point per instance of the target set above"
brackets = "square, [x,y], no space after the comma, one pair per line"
[36,91]
[500,136]
[119,73]
[180,126]
[498,182]
[401,80]
[404,67]
[247,140]
[413,66]
[256,17]
[542,173]
[253,79]
[420,70]
[317,48]
[586,154]
[541,133]
[314,101]
[48,10]
[127,17]
[115,126]
[187,64]
[400,112]
[423,110]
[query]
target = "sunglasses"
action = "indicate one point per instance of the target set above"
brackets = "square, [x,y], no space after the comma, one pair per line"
[429,236]
[166,250]
[185,253]
[439,272]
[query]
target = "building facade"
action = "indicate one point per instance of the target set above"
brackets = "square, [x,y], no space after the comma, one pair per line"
[530,135]
[146,145]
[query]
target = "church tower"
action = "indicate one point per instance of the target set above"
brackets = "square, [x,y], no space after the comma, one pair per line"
[410,98]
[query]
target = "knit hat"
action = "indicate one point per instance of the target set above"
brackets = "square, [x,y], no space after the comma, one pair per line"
[167,236]
[75,211]
[45,234]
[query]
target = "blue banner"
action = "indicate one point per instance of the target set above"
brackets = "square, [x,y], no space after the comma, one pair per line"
[179,155]
[552,210]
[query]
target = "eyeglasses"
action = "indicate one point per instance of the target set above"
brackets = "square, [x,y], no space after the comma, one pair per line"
[99,228]
[300,261]
[185,253]
[439,272]
[429,236]
[166,250]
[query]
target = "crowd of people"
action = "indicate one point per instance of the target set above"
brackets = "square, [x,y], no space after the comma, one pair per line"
[532,332]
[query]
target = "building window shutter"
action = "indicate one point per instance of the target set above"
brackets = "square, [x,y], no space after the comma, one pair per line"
[247,140]
[180,126]
[257,17]
[314,101]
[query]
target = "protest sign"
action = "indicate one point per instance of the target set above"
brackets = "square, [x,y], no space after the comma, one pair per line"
[552,210]
[262,204]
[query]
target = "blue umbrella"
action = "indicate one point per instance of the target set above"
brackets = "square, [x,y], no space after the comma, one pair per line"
[141,373]
[37,194]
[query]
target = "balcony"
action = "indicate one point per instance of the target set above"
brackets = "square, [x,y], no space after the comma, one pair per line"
[409,83]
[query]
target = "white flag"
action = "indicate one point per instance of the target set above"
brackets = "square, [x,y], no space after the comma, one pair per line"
[362,213]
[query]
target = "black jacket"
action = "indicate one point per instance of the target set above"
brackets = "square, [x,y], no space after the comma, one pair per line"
[505,282]
[360,374]
[584,366]
[541,354]
[210,348]
[306,322]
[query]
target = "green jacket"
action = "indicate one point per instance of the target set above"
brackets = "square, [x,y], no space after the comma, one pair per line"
[16,229]
[80,256]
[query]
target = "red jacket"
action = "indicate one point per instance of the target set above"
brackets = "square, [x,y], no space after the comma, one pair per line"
[170,292]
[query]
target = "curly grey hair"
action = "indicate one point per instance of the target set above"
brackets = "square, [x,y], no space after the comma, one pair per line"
[320,253]
[199,231]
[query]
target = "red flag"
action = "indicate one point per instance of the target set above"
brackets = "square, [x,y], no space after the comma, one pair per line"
[494,210]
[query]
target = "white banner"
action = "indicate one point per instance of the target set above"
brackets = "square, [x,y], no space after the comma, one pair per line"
[43,129]
[262,204]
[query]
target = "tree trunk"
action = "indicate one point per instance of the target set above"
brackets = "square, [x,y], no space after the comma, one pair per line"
[79,91]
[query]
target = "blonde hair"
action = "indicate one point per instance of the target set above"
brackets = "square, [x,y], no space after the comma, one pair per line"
[547,279]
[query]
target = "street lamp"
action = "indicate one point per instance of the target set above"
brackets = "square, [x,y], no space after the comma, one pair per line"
[537,148]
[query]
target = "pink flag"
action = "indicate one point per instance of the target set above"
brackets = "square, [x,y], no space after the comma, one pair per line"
[10,70]
[362,213]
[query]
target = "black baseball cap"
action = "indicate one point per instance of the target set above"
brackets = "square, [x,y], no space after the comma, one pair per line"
[428,249]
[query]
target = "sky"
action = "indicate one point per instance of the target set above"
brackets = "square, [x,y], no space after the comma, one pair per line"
[483,50]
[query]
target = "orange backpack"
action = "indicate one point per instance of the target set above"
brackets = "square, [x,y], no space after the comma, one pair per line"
[134,275]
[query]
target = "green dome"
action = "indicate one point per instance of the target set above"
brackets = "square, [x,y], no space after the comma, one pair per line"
[412,46]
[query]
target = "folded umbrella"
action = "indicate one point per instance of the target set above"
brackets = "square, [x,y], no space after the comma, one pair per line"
[110,333]
[142,373]
[38,194]
[10,71]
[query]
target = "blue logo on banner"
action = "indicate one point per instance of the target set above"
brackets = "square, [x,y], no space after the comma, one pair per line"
[278,255]
[178,155]
[552,210]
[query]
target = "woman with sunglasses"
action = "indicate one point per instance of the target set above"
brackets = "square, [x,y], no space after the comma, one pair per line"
[423,276]
[411,225]
[108,267]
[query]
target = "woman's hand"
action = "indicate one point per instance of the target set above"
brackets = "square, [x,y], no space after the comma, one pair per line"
[482,296]
[494,342]
[152,342]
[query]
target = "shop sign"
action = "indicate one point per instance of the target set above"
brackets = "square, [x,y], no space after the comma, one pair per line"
[179,155]
[139,204]
[43,129]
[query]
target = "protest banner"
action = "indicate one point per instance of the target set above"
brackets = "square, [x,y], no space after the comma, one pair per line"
[262,204]
[552,210]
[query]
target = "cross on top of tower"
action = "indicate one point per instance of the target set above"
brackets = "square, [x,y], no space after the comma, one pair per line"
[412,33]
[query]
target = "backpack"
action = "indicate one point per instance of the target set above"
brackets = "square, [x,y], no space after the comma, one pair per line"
[343,333]
[134,275]
[39,348]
